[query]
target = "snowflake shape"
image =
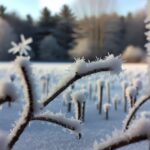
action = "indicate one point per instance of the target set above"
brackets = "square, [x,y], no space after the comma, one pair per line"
[22,48]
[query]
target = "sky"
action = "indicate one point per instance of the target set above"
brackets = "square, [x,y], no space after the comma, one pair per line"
[34,7]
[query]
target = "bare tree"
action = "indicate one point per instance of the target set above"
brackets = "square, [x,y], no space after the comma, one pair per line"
[94,23]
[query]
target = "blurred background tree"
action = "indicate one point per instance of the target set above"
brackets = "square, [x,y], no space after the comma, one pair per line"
[63,36]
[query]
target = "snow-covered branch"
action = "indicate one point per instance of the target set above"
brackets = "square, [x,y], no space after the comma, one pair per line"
[60,120]
[21,124]
[2,101]
[82,69]
[133,111]
[138,131]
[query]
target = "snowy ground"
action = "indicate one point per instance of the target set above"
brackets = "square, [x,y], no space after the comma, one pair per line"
[44,136]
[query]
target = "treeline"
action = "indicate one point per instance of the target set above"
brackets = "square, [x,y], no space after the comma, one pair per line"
[62,36]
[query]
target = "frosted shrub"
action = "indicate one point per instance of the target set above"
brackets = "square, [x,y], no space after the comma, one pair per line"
[12,77]
[79,99]
[124,86]
[137,84]
[8,92]
[115,102]
[106,108]
[108,90]
[45,79]
[68,100]
[145,114]
[100,87]
[133,54]
[131,94]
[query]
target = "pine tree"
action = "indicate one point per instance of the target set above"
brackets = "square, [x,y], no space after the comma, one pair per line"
[29,19]
[64,29]
[2,10]
[66,14]
[46,19]
[114,36]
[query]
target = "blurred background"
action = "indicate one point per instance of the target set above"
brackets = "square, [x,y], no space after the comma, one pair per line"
[65,29]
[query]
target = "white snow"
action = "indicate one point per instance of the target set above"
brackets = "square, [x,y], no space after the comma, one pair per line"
[145,114]
[131,92]
[137,84]
[3,141]
[115,99]
[114,64]
[106,107]
[124,84]
[67,96]
[60,118]
[108,89]
[8,89]
[95,127]
[139,127]
[132,110]
[79,96]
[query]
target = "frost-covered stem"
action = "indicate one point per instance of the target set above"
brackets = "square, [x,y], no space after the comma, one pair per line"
[27,112]
[69,107]
[72,86]
[71,81]
[90,90]
[133,111]
[134,100]
[78,110]
[47,87]
[83,111]
[131,101]
[116,105]
[108,91]
[123,142]
[107,114]
[100,100]
[66,123]
[7,99]
[125,103]
[124,88]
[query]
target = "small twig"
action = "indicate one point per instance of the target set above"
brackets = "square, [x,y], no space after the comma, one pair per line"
[7,99]
[133,111]
[122,142]
[59,120]
[70,82]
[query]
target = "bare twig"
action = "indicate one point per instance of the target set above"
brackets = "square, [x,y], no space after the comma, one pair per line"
[60,120]
[133,111]
[122,142]
[70,81]
[7,99]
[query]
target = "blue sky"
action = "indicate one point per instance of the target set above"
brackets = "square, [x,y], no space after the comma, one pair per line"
[33,7]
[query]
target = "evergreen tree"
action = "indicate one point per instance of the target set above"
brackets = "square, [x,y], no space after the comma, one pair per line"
[66,14]
[114,36]
[2,10]
[65,29]
[46,18]
[29,20]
